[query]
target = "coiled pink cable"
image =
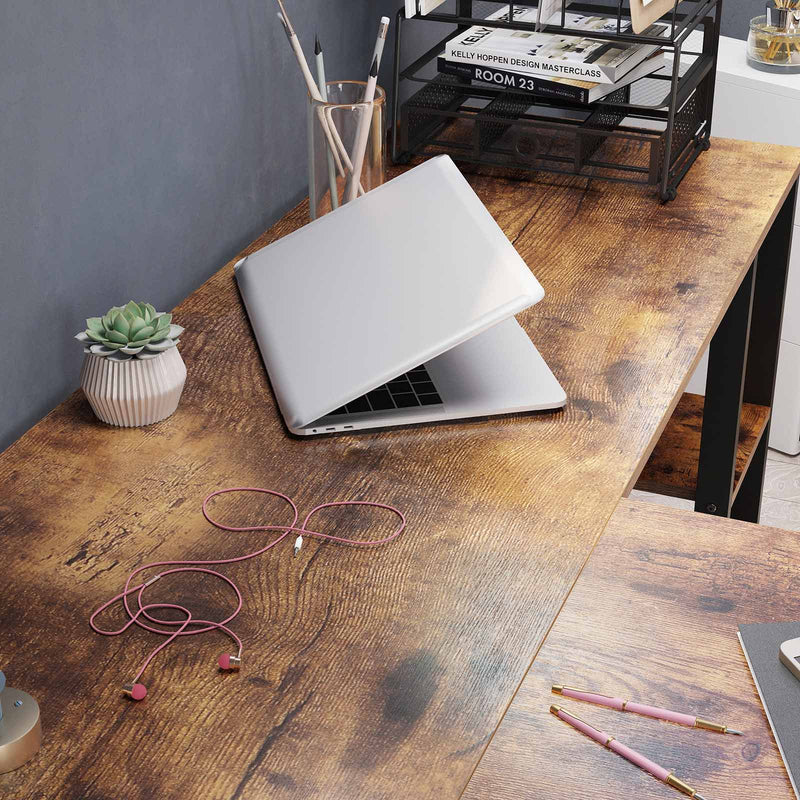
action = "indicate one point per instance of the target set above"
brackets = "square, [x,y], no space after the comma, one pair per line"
[188,626]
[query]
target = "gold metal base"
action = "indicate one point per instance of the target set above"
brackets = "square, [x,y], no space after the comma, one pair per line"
[710,726]
[20,730]
[680,785]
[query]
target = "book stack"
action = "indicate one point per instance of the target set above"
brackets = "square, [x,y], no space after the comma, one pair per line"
[575,68]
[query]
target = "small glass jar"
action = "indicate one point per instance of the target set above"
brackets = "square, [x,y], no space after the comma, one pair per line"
[339,120]
[773,49]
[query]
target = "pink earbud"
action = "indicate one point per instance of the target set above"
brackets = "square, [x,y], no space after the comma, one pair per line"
[227,661]
[136,691]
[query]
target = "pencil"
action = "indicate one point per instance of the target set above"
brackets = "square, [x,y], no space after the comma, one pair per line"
[380,42]
[331,134]
[323,90]
[306,73]
[312,181]
[362,134]
[328,126]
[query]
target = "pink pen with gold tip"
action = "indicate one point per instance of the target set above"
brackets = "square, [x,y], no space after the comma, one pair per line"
[619,704]
[637,759]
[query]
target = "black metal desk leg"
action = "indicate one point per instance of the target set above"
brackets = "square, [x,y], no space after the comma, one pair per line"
[743,358]
[727,356]
[762,360]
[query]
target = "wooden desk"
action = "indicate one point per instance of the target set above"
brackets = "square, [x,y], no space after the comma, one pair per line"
[367,674]
[653,617]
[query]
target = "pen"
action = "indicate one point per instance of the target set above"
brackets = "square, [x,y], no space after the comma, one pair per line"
[360,146]
[323,90]
[637,759]
[619,704]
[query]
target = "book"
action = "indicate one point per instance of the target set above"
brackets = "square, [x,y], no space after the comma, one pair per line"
[572,89]
[538,53]
[550,12]
[778,689]
[421,6]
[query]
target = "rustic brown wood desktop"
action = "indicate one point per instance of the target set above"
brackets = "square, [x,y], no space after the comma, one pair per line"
[653,618]
[367,674]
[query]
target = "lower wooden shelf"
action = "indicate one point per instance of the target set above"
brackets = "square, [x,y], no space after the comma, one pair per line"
[672,467]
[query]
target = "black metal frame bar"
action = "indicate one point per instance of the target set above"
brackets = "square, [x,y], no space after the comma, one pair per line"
[743,359]
[711,35]
[727,357]
[762,362]
[680,24]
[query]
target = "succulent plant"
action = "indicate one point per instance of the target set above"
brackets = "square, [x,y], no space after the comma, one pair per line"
[135,330]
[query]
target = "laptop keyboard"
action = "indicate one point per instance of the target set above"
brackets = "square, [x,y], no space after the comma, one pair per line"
[411,390]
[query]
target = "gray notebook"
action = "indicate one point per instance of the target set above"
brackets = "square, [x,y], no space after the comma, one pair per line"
[778,688]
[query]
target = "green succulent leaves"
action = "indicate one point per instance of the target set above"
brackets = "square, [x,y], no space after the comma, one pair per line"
[135,330]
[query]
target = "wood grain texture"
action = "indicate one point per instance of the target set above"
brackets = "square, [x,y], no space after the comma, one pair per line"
[672,467]
[378,673]
[782,481]
[653,618]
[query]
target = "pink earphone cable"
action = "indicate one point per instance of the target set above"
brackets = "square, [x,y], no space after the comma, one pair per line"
[187,626]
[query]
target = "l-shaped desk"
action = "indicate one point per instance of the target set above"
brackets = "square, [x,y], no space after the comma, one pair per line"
[385,673]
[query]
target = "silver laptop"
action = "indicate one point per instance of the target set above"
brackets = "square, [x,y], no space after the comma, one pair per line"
[396,309]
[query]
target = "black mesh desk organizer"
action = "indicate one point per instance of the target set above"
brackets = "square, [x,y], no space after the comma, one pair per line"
[649,132]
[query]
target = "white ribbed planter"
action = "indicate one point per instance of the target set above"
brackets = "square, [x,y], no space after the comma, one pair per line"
[134,392]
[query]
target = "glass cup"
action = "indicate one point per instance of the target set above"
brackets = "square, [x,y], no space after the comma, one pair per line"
[774,49]
[335,128]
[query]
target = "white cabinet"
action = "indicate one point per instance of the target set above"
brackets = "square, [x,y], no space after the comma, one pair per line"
[762,107]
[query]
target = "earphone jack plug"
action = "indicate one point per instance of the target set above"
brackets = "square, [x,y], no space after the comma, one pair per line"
[298,543]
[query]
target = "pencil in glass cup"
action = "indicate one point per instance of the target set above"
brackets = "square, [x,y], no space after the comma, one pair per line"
[362,133]
[341,157]
[323,90]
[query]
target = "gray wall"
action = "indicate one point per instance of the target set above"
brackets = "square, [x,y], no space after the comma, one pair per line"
[142,143]
[736,16]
